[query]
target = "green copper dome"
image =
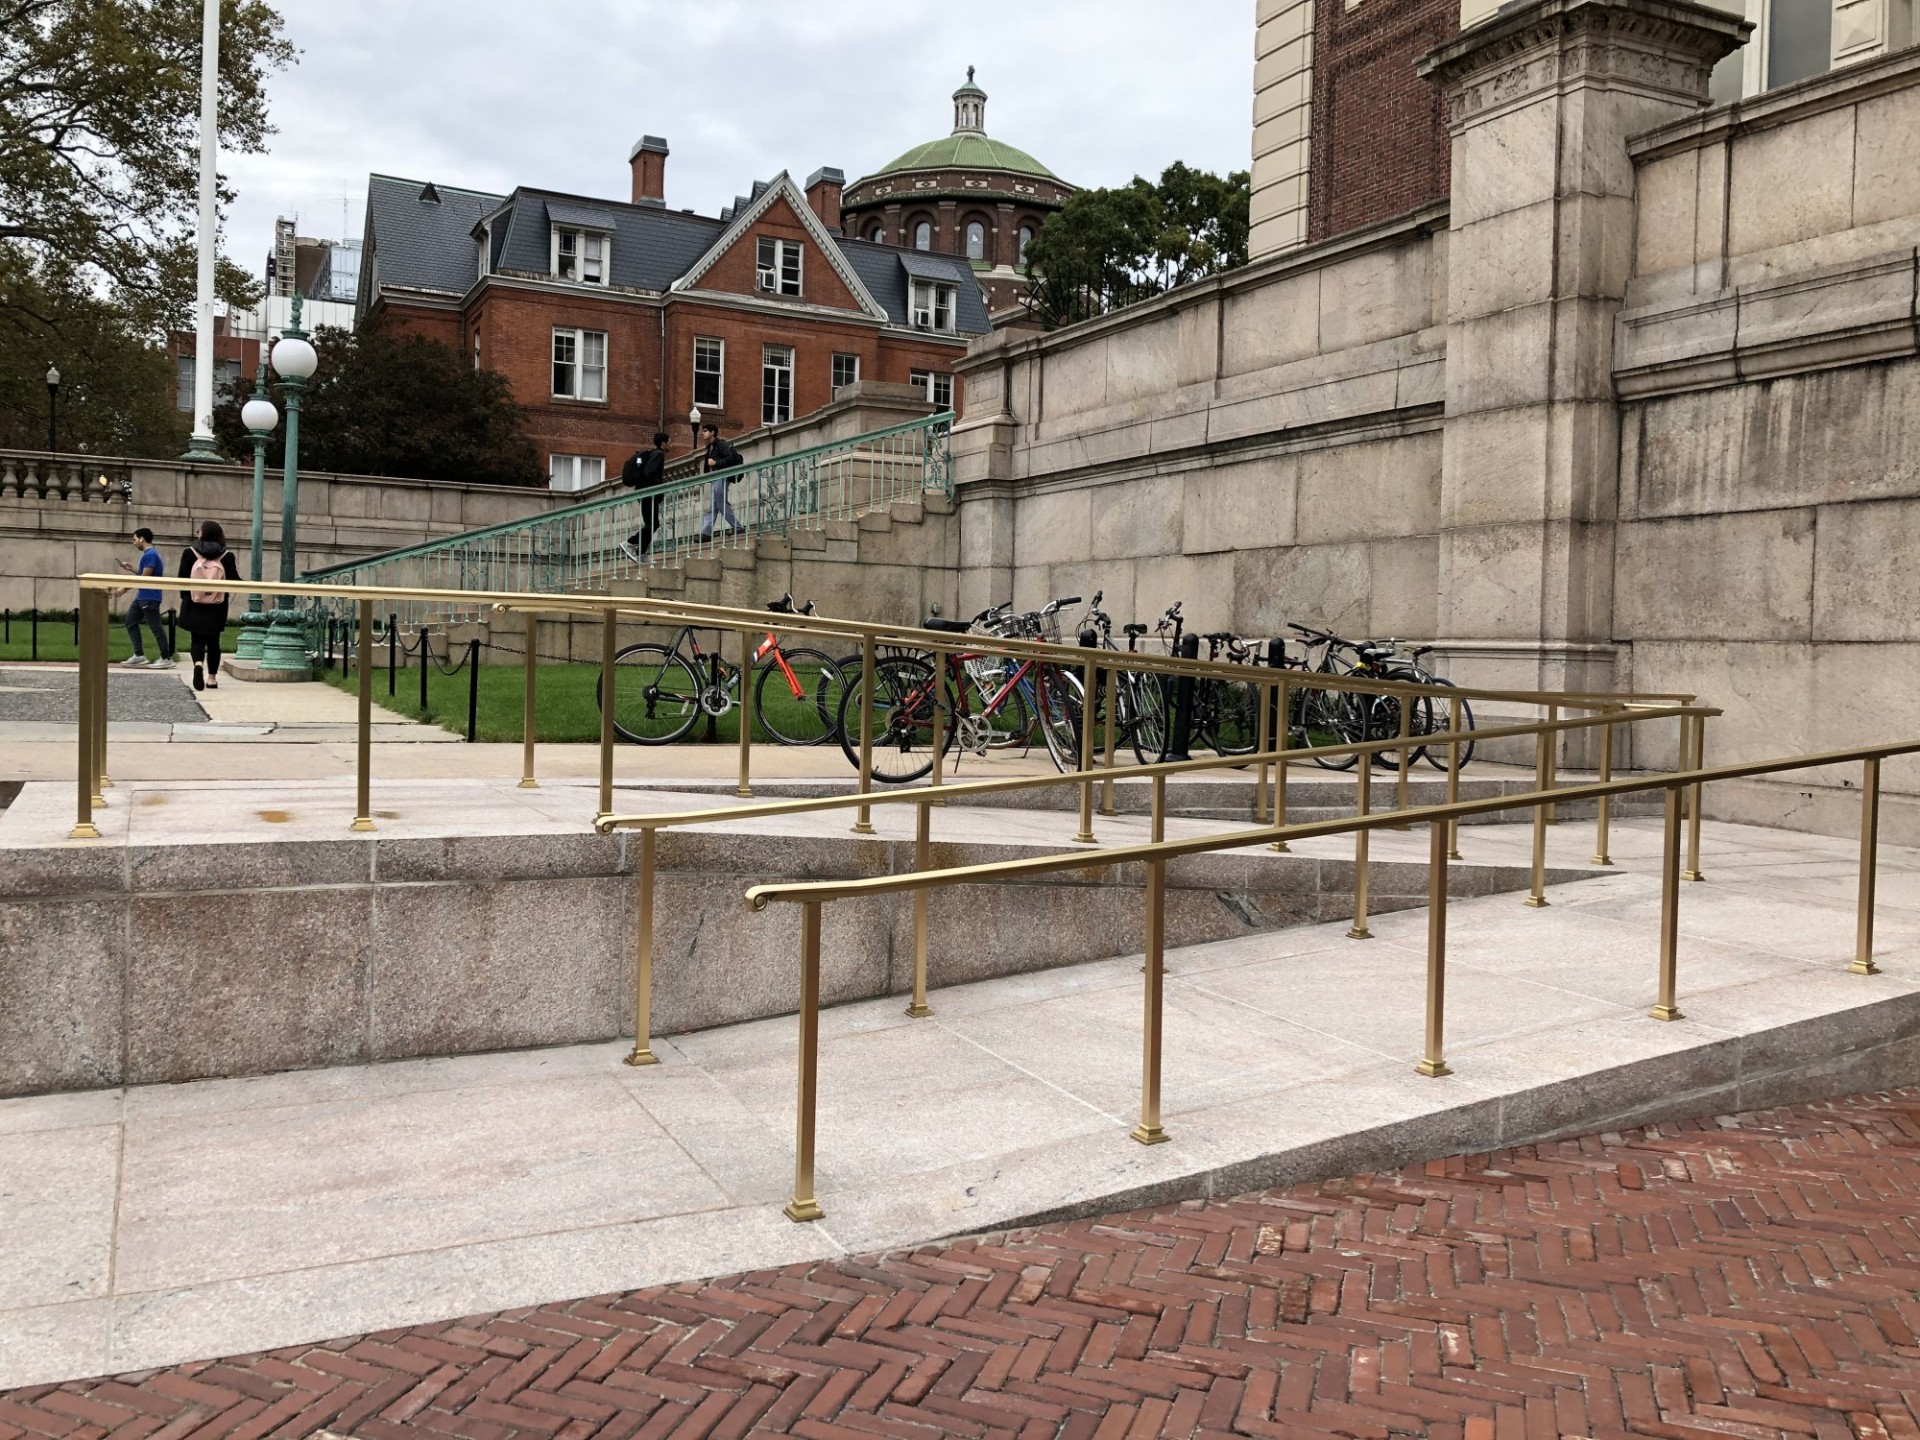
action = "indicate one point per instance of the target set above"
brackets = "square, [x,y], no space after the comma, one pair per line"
[968,152]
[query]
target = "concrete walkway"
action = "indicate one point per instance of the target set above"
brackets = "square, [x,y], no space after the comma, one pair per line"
[149,1226]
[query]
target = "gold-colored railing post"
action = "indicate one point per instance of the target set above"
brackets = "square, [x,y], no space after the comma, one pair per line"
[1454,717]
[1552,770]
[102,621]
[1280,768]
[1359,930]
[1148,1131]
[1087,676]
[1667,1009]
[643,956]
[1869,864]
[88,771]
[1434,1061]
[1400,790]
[363,724]
[1113,741]
[1261,735]
[922,905]
[863,817]
[803,1205]
[1692,872]
[1603,811]
[1158,824]
[609,644]
[1542,759]
[745,788]
[527,703]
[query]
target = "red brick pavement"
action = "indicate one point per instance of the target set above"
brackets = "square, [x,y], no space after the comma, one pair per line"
[1744,1277]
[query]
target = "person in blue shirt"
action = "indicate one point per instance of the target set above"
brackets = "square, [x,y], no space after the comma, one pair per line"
[145,607]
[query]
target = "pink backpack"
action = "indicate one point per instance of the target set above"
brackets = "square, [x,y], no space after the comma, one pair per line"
[205,569]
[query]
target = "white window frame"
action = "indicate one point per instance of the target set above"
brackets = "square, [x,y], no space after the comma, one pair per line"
[935,306]
[834,371]
[719,373]
[582,472]
[587,377]
[777,266]
[588,248]
[486,249]
[776,361]
[937,386]
[918,226]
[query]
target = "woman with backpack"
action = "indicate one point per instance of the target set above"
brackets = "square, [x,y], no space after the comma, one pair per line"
[203,613]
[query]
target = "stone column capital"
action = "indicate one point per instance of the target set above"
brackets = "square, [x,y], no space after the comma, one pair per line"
[1661,49]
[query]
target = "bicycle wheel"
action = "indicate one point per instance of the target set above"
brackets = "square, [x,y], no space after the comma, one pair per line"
[656,696]
[1233,717]
[1150,724]
[1330,717]
[1061,707]
[1008,725]
[1442,720]
[801,709]
[903,707]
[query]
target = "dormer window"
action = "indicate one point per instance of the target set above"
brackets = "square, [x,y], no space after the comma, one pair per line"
[579,255]
[933,306]
[485,248]
[778,270]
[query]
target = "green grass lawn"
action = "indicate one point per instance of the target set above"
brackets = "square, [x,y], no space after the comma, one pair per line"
[56,639]
[567,710]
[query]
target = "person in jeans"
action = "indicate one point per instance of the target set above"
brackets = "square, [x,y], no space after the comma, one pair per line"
[721,459]
[145,609]
[644,472]
[203,613]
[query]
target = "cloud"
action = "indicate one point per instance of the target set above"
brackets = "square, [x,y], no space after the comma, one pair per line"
[488,95]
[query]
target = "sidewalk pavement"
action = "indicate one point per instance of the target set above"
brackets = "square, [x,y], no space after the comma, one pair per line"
[149,1226]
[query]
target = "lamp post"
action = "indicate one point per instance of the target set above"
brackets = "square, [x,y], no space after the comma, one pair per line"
[201,447]
[53,410]
[693,420]
[294,361]
[261,419]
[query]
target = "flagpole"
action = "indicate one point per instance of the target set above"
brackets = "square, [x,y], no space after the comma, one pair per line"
[202,447]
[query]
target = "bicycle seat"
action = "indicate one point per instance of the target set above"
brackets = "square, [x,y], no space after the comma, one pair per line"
[782,606]
[1219,637]
[1371,653]
[1133,629]
[946,627]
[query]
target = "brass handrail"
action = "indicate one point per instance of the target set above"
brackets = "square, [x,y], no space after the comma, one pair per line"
[812,895]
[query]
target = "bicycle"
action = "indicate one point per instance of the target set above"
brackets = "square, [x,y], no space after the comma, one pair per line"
[1329,717]
[661,691]
[906,693]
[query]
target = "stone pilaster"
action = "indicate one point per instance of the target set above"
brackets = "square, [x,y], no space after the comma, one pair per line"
[1542,102]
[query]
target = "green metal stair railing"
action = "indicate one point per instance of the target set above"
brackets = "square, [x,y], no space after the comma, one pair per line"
[579,548]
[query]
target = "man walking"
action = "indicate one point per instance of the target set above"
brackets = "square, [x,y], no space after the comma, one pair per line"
[644,471]
[146,604]
[721,459]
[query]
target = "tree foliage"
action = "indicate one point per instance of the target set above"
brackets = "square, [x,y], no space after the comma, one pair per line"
[116,385]
[99,148]
[385,402]
[1113,247]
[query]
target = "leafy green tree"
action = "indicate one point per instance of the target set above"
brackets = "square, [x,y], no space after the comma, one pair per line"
[1113,247]
[116,385]
[99,151]
[385,402]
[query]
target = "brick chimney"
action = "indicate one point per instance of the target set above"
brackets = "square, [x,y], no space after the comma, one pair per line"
[823,195]
[648,160]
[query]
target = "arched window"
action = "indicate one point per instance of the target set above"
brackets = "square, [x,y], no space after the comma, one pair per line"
[976,240]
[877,232]
[1026,239]
[923,236]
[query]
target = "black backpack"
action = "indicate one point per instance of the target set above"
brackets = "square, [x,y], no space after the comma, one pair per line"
[725,457]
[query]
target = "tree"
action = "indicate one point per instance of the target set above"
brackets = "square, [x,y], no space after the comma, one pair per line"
[385,402]
[99,149]
[116,386]
[1109,248]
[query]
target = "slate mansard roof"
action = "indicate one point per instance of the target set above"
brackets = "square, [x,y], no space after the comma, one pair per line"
[423,238]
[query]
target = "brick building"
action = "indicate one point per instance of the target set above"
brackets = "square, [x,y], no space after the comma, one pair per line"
[613,319]
[963,194]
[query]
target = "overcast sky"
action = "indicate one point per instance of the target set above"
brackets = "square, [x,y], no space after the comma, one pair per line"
[488,94]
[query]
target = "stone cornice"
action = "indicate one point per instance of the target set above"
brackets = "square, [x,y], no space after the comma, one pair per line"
[1666,48]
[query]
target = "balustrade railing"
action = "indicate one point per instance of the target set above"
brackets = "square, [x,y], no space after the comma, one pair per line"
[38,475]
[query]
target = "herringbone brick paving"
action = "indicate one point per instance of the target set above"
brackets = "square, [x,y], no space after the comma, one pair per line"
[1753,1276]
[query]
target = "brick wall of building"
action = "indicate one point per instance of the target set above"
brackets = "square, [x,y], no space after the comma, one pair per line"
[1379,135]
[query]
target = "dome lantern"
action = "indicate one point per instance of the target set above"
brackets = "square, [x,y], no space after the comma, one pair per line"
[970,108]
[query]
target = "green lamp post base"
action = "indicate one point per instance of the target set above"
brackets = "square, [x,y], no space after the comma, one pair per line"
[286,644]
[202,452]
[253,636]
